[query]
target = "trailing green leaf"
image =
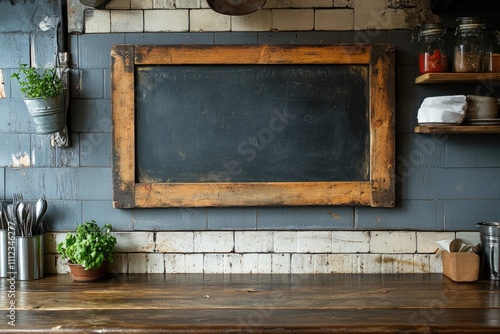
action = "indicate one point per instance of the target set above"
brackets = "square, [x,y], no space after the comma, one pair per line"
[38,83]
[90,246]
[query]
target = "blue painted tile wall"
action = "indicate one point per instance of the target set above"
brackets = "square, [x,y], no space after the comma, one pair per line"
[2,185]
[444,182]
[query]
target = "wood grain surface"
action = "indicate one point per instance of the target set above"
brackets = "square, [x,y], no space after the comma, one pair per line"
[435,78]
[197,303]
[437,129]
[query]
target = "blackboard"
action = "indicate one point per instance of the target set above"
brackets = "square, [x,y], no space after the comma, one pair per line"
[252,125]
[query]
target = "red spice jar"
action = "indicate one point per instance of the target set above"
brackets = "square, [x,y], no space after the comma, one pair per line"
[433,56]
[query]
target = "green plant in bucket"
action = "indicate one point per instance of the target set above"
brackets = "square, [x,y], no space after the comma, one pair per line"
[38,83]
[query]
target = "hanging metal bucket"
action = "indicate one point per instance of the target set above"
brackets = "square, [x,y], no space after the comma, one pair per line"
[48,115]
[236,7]
[95,3]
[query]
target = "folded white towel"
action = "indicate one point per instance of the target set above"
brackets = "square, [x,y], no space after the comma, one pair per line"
[443,109]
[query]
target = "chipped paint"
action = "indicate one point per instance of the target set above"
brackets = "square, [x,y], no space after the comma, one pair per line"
[2,86]
[20,160]
[334,215]
[48,23]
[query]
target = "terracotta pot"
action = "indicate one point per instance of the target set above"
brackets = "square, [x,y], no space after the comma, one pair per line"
[81,275]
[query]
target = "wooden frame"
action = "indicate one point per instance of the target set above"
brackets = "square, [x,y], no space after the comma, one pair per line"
[379,191]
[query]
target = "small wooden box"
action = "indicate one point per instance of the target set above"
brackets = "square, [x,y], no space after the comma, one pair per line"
[461,266]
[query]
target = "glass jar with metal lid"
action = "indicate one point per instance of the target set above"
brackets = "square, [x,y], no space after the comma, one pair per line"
[492,51]
[468,53]
[433,56]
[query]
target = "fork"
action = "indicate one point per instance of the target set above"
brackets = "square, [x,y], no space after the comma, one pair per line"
[16,200]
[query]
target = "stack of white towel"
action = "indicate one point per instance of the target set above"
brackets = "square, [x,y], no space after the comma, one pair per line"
[443,110]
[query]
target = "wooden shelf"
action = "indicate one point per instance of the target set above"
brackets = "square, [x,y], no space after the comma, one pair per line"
[437,129]
[435,78]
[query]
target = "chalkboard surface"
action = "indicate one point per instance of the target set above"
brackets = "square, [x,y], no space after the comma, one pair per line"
[233,123]
[252,125]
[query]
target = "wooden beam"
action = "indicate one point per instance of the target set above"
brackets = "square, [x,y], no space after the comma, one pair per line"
[122,79]
[76,17]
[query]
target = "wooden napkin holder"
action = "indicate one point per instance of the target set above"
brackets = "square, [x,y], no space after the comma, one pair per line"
[460,266]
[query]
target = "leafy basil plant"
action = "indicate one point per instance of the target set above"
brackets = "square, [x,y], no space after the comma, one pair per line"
[90,246]
[39,82]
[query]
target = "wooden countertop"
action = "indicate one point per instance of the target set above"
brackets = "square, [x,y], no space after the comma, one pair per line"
[196,303]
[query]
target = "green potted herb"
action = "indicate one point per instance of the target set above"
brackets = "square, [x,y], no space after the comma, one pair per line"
[44,97]
[88,251]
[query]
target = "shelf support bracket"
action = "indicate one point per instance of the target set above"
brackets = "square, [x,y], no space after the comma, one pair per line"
[62,138]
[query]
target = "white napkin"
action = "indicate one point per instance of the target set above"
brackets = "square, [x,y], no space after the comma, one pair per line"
[443,109]
[458,245]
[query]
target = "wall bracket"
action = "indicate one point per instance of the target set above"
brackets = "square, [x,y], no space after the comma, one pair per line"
[62,138]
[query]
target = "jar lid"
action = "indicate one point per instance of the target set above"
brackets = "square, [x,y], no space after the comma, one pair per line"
[470,23]
[430,26]
[470,26]
[469,20]
[431,29]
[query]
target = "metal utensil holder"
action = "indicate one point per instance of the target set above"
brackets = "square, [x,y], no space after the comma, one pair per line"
[490,240]
[4,253]
[29,257]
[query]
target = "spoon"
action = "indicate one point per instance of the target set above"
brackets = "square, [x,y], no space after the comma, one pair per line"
[236,7]
[20,212]
[40,210]
[10,213]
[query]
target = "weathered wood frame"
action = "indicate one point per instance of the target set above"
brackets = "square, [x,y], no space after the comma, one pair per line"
[379,191]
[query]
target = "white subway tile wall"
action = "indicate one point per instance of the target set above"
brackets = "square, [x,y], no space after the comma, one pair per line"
[127,20]
[208,20]
[334,19]
[277,15]
[174,242]
[266,252]
[350,242]
[393,242]
[166,21]
[97,21]
[259,21]
[136,242]
[137,263]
